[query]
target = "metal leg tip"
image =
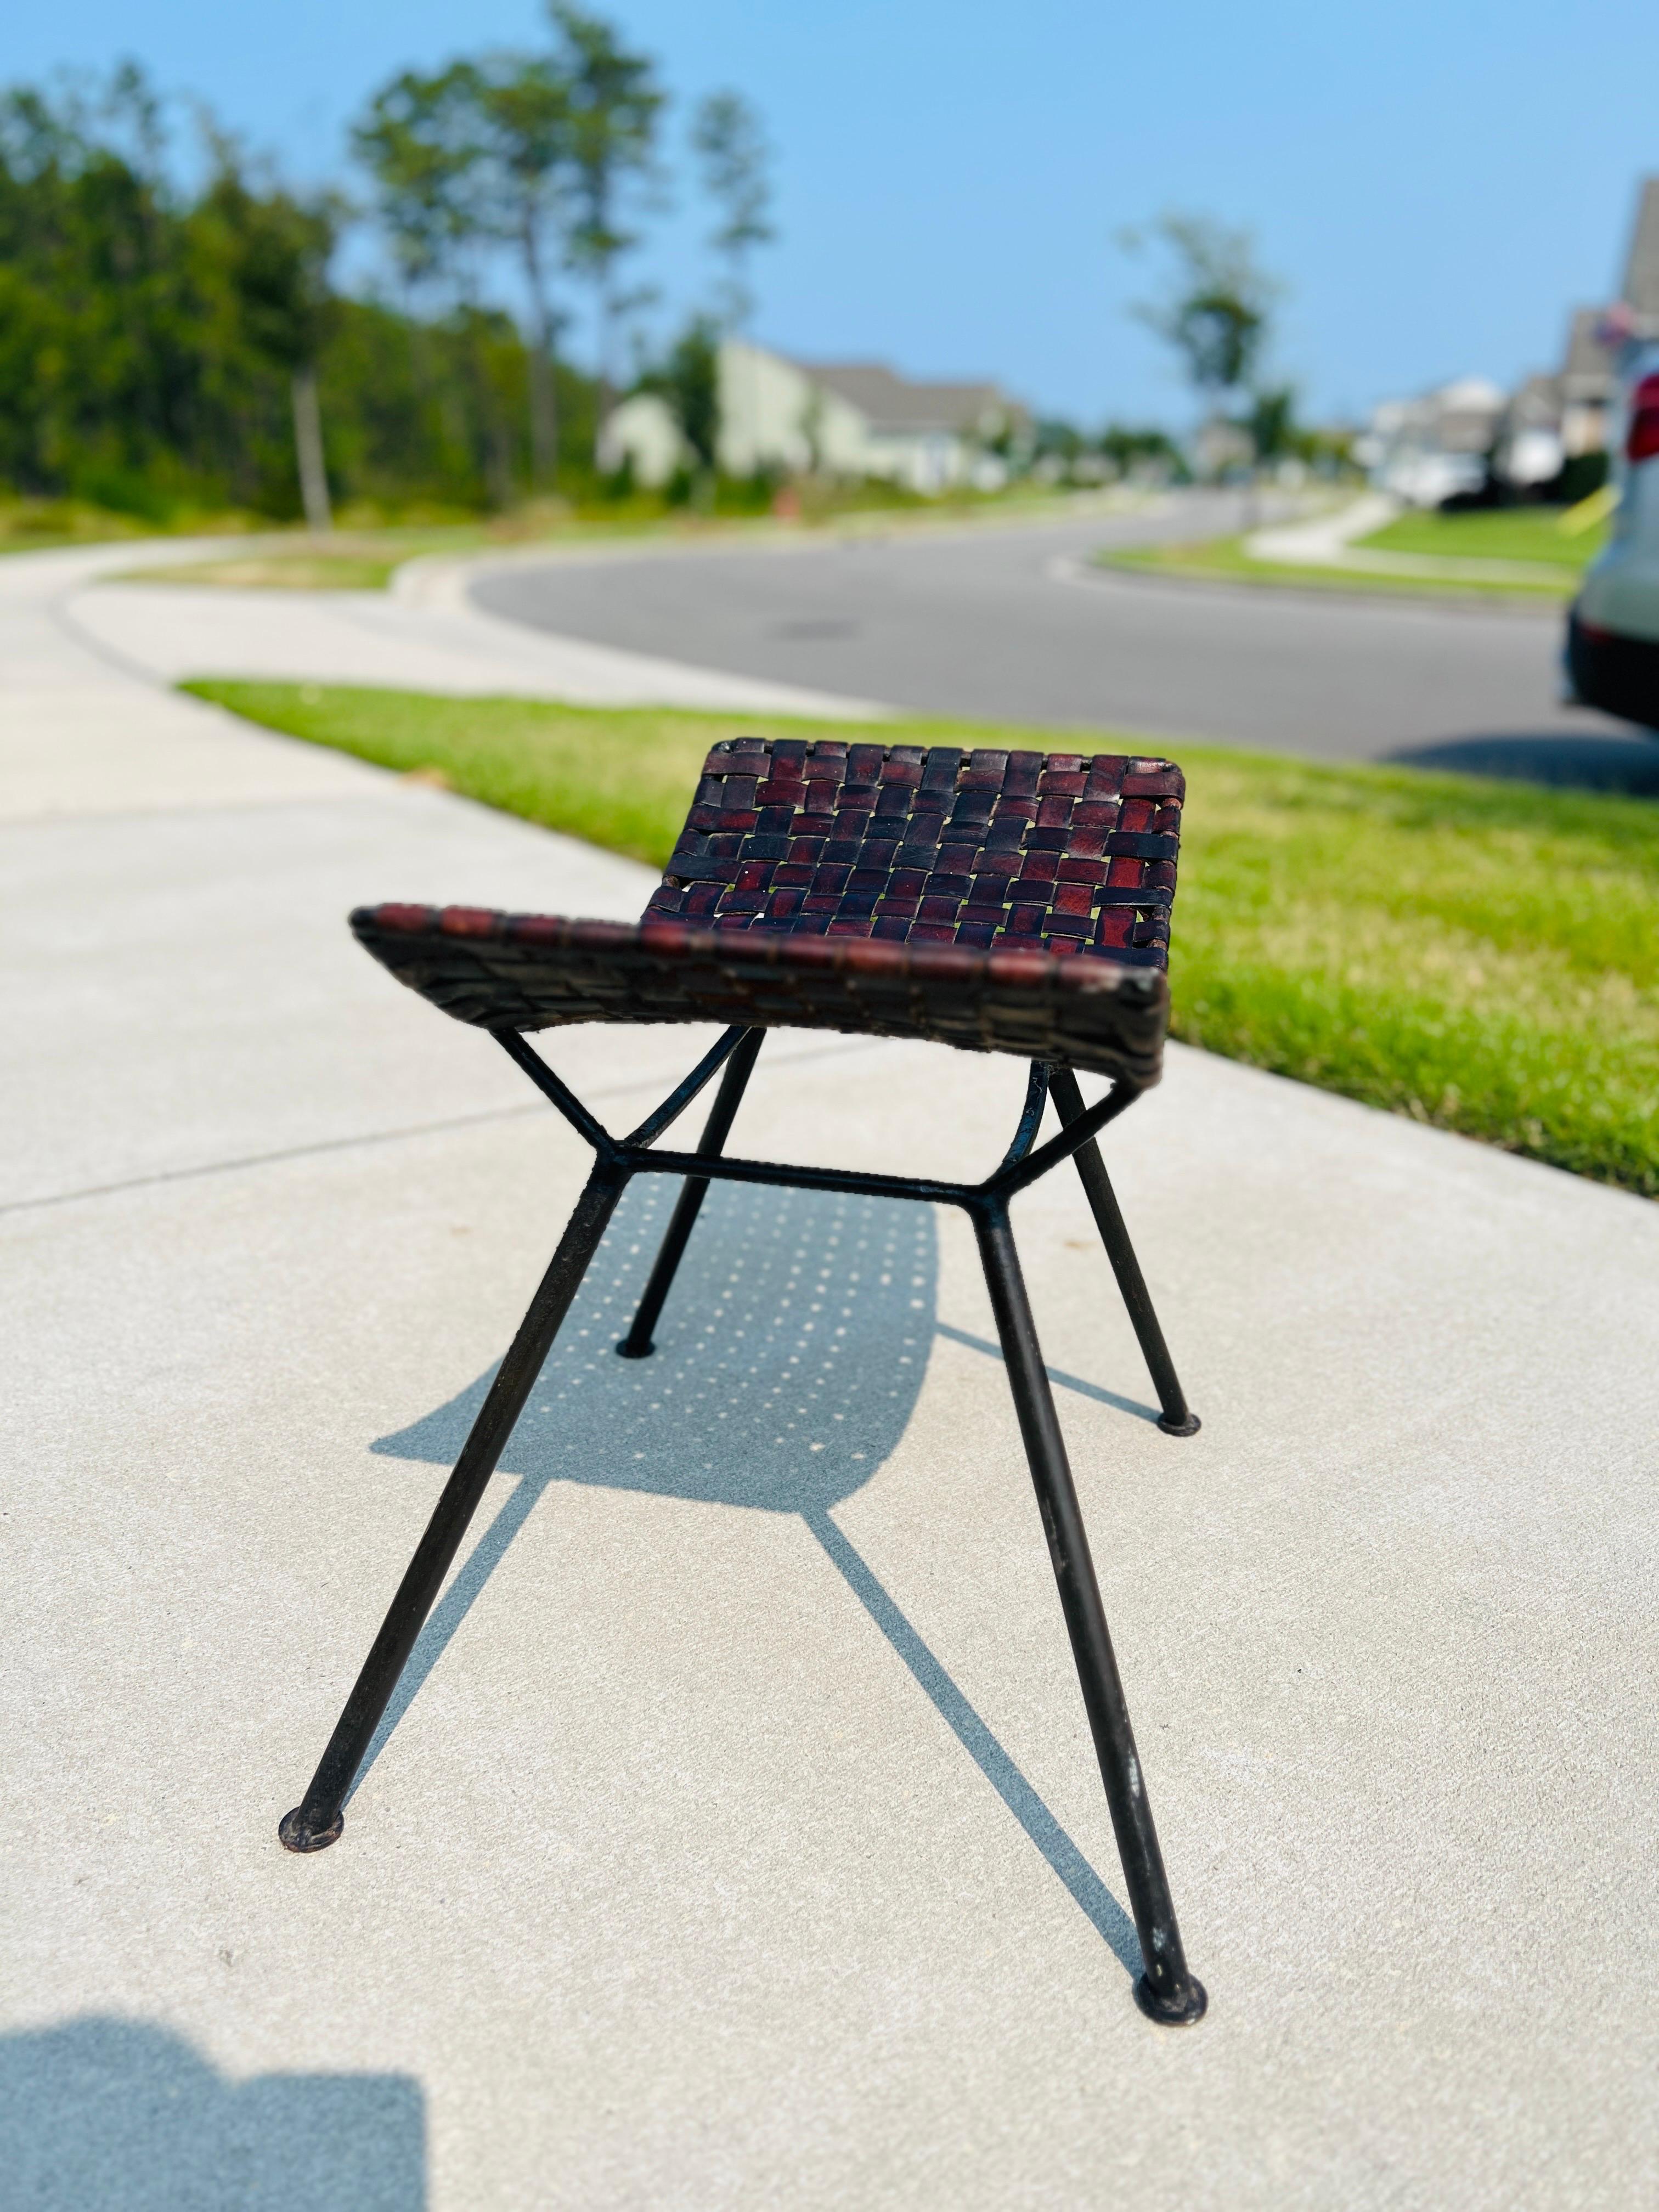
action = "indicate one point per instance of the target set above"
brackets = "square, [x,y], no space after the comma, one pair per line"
[296,1837]
[629,1350]
[1189,1427]
[1186,2012]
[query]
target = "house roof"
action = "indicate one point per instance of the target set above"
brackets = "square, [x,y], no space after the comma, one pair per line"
[890,402]
[1536,401]
[1588,370]
[1641,285]
[1467,395]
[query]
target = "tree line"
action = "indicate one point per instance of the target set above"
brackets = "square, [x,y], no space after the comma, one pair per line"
[174,339]
[169,346]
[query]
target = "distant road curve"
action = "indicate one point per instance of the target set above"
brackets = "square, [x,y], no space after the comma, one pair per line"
[984,622]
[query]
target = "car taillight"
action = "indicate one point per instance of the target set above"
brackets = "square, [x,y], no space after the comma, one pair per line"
[1642,440]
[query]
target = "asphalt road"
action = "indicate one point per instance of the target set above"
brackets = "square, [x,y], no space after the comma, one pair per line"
[1009,623]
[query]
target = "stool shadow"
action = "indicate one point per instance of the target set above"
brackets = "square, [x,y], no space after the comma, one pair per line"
[1057,1375]
[788,1364]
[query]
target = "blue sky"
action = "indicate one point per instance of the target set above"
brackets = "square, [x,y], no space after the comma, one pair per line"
[1436,184]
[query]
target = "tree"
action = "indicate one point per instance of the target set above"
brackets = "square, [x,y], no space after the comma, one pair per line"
[524,102]
[98,376]
[1216,302]
[156,348]
[1129,450]
[420,141]
[279,249]
[688,379]
[158,324]
[615,107]
[424,141]
[735,160]
[1272,423]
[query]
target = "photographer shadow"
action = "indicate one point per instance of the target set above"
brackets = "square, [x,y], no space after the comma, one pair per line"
[126,2116]
[789,1361]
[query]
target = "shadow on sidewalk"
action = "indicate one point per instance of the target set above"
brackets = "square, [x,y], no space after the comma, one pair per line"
[123,2116]
[790,1359]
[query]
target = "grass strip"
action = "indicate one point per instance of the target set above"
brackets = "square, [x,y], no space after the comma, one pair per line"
[366,571]
[1528,536]
[1481,956]
[1224,561]
[365,557]
[1494,533]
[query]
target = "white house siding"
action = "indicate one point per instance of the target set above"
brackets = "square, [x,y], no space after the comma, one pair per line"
[643,430]
[776,414]
[923,461]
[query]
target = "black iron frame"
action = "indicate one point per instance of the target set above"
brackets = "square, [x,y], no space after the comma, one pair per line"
[1167,1990]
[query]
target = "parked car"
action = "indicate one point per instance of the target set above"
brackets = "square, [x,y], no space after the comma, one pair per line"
[1612,630]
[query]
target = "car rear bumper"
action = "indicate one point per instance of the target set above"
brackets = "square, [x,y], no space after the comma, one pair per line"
[1617,673]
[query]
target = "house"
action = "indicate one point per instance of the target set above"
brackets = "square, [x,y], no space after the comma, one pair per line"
[833,418]
[1528,450]
[1587,388]
[1598,336]
[1640,291]
[1221,449]
[1425,450]
[927,435]
[1422,450]
[1588,382]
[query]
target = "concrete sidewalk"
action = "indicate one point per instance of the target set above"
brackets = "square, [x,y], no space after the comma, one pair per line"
[423,635]
[738,1841]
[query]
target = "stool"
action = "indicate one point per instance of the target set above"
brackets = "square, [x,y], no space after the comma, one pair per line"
[997,901]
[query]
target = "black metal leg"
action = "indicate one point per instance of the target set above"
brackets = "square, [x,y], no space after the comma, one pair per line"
[1177,1420]
[317,1819]
[638,1343]
[1167,1990]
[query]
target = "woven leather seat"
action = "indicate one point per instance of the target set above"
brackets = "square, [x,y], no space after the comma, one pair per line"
[999,902]
[1003,901]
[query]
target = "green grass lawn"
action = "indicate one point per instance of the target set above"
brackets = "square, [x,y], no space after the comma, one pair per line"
[1224,561]
[367,568]
[1529,535]
[1482,956]
[1497,533]
[36,525]
[366,559]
